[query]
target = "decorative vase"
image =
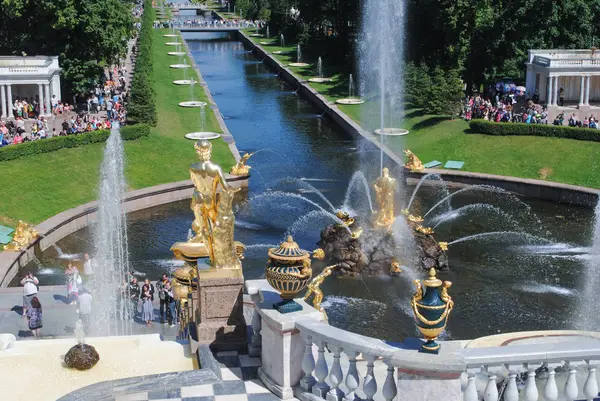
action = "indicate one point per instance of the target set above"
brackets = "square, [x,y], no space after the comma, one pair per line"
[431,305]
[288,271]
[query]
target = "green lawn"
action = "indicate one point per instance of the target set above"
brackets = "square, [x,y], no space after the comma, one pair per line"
[37,187]
[441,138]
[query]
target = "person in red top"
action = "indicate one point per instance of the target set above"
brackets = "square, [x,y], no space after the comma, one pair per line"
[18,138]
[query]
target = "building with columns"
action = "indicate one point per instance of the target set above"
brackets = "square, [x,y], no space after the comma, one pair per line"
[28,77]
[576,72]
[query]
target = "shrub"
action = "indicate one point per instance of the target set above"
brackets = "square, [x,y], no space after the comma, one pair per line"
[556,131]
[12,152]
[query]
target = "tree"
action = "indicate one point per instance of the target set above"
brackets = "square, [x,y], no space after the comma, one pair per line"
[445,92]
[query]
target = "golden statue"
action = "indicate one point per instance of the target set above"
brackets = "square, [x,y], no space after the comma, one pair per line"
[356,234]
[345,217]
[425,230]
[413,163]
[23,236]
[443,246]
[313,288]
[385,187]
[415,219]
[240,167]
[318,254]
[395,267]
[213,216]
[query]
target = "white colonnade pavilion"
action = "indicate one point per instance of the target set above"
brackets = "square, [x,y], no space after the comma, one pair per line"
[28,77]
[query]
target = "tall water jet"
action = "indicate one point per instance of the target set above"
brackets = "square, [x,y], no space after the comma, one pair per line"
[350,87]
[320,68]
[587,310]
[282,40]
[111,311]
[268,34]
[381,53]
[298,54]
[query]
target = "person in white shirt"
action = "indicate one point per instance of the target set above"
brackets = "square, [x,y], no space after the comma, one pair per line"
[89,265]
[85,309]
[30,290]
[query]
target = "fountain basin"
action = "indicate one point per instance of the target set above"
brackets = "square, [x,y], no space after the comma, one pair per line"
[176,53]
[126,356]
[170,35]
[180,66]
[319,80]
[202,135]
[350,101]
[298,65]
[281,52]
[173,43]
[391,132]
[192,103]
[257,35]
[185,82]
[266,43]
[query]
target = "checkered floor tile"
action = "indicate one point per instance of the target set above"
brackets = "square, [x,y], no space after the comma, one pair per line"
[240,383]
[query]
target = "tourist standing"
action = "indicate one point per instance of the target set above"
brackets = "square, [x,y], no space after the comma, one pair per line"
[89,265]
[109,108]
[164,306]
[30,290]
[73,282]
[170,301]
[85,309]
[34,316]
[134,296]
[147,307]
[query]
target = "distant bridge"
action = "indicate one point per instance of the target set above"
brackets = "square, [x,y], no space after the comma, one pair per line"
[200,28]
[177,7]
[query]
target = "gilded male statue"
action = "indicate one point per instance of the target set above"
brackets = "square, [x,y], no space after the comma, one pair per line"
[385,187]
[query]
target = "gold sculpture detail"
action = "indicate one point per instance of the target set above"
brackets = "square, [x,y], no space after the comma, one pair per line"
[415,219]
[314,288]
[225,254]
[443,246]
[356,234]
[395,267]
[425,230]
[318,254]
[23,236]
[241,168]
[413,163]
[345,217]
[385,187]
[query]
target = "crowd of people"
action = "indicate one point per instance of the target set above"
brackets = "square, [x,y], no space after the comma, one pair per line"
[214,23]
[141,300]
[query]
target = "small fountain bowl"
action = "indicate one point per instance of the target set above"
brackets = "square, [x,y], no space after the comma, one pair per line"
[180,66]
[256,35]
[280,52]
[319,80]
[266,43]
[185,82]
[192,103]
[298,65]
[350,101]
[170,35]
[391,132]
[176,53]
[196,136]
[172,43]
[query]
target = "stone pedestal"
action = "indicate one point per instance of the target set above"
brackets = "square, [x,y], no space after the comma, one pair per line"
[282,346]
[220,314]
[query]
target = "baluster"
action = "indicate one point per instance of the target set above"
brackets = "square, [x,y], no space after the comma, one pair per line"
[531,391]
[491,390]
[335,377]
[256,343]
[389,389]
[511,392]
[590,388]
[321,388]
[571,389]
[308,365]
[370,384]
[352,379]
[471,389]
[550,388]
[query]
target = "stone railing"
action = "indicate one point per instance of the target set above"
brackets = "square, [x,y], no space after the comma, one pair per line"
[575,62]
[303,356]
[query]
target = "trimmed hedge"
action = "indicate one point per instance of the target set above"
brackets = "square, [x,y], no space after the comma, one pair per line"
[556,131]
[12,152]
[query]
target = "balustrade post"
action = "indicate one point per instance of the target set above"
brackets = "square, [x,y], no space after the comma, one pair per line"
[470,393]
[256,342]
[511,392]
[335,377]
[352,378]
[590,388]
[308,365]
[531,391]
[571,390]
[370,384]
[389,390]
[550,388]
[321,388]
[491,389]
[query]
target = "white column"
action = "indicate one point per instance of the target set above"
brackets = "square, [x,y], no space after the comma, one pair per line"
[556,89]
[41,99]
[3,100]
[550,90]
[47,98]
[9,99]
[582,91]
[587,91]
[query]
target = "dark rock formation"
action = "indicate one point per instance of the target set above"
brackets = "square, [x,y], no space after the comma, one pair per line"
[374,250]
[82,357]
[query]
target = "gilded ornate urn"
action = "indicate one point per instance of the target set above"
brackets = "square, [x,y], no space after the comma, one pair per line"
[431,305]
[288,271]
[184,281]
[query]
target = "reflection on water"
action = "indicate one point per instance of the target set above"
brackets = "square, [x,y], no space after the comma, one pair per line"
[498,287]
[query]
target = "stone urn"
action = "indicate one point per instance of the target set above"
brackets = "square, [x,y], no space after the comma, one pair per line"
[82,357]
[288,271]
[431,305]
